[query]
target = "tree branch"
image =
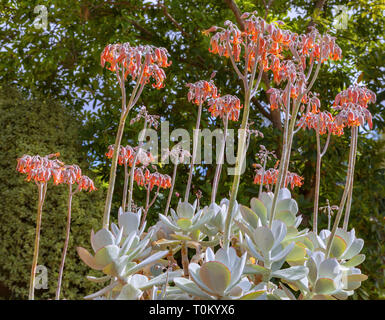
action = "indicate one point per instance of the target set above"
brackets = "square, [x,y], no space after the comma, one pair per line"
[173,21]
[237,13]
[318,7]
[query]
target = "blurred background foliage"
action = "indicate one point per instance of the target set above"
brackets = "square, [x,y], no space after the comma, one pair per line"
[56,97]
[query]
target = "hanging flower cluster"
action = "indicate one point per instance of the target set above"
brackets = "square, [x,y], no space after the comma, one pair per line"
[259,40]
[71,174]
[133,60]
[270,177]
[201,91]
[38,168]
[144,177]
[41,169]
[353,106]
[127,155]
[322,122]
[68,174]
[225,106]
[318,47]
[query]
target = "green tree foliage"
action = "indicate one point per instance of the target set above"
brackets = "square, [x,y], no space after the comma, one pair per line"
[37,125]
[63,61]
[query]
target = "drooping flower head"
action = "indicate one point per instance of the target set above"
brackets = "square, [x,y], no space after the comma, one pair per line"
[201,91]
[144,177]
[133,60]
[225,106]
[68,174]
[86,184]
[37,168]
[126,155]
[269,45]
[323,122]
[270,177]
[352,105]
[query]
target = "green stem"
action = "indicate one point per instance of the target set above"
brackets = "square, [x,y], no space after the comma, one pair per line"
[124,112]
[317,182]
[248,87]
[195,143]
[350,195]
[238,164]
[218,169]
[343,199]
[132,171]
[285,163]
[111,183]
[68,229]
[125,187]
[42,187]
[263,176]
[171,189]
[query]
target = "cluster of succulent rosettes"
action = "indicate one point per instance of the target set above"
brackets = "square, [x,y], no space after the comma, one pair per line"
[133,60]
[269,177]
[322,122]
[42,169]
[201,91]
[128,154]
[121,254]
[220,277]
[144,177]
[352,105]
[225,106]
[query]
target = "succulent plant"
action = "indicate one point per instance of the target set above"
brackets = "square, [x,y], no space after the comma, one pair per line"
[217,223]
[286,209]
[219,277]
[185,221]
[327,277]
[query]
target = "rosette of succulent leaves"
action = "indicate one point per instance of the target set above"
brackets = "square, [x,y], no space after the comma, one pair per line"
[120,254]
[308,271]
[187,222]
[221,276]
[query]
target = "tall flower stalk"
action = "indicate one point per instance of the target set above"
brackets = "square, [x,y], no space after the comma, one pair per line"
[70,175]
[199,92]
[40,170]
[352,105]
[132,171]
[227,108]
[322,123]
[42,187]
[171,191]
[177,155]
[141,63]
